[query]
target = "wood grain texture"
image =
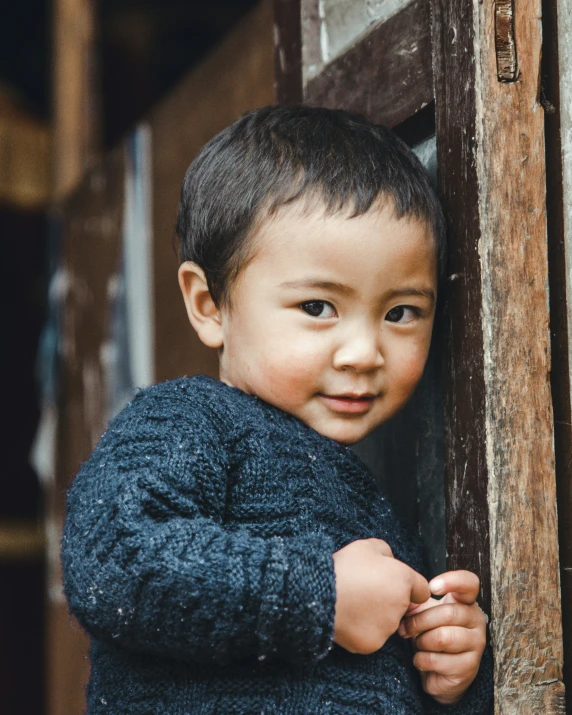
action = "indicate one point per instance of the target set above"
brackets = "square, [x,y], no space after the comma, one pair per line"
[465,449]
[394,61]
[506,156]
[237,77]
[288,51]
[519,421]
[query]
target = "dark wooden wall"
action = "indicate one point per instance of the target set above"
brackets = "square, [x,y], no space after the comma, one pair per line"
[234,78]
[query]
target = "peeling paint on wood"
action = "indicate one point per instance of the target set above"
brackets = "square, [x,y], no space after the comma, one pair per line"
[505,41]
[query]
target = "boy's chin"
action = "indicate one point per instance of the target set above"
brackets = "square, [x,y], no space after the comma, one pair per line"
[344,433]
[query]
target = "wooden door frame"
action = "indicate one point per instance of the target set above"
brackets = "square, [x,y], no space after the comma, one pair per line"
[500,461]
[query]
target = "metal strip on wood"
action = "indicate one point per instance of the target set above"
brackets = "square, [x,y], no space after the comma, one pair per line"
[394,61]
[499,413]
[505,41]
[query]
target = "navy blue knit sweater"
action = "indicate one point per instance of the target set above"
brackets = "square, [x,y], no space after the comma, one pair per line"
[197,553]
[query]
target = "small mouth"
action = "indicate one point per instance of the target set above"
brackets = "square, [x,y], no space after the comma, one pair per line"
[349,403]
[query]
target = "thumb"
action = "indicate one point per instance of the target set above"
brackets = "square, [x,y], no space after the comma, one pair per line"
[420,591]
[462,585]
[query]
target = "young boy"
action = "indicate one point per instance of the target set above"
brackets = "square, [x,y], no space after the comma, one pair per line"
[224,548]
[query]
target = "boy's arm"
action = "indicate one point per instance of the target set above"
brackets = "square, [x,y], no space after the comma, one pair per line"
[148,565]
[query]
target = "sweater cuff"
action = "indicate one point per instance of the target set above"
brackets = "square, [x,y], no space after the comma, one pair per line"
[296,618]
[477,700]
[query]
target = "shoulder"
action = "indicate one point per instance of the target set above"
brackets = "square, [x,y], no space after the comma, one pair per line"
[183,401]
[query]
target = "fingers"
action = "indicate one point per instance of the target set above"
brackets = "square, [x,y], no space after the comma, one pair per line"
[446,614]
[451,665]
[463,585]
[451,639]
[418,607]
[420,591]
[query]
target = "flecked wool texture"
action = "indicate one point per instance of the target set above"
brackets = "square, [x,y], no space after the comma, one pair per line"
[197,553]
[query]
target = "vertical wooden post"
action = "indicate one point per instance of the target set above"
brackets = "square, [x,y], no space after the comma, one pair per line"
[74,106]
[557,87]
[499,423]
[287,51]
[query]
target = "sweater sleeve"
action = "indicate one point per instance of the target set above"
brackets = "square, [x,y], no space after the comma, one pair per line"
[148,563]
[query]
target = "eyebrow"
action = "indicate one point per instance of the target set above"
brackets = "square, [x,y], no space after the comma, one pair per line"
[423,292]
[316,283]
[341,288]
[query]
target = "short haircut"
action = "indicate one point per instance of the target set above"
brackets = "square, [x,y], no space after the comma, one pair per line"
[275,155]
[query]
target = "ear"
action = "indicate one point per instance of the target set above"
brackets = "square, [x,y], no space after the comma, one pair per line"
[203,314]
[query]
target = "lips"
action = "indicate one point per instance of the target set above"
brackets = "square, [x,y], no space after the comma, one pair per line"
[349,403]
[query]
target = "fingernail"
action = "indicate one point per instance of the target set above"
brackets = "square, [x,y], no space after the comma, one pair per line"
[437,585]
[401,630]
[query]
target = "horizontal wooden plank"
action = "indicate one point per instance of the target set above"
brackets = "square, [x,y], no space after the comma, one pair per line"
[21,540]
[393,61]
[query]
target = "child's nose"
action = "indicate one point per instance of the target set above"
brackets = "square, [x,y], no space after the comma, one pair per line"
[360,352]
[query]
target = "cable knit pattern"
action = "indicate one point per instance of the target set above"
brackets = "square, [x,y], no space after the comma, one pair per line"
[197,552]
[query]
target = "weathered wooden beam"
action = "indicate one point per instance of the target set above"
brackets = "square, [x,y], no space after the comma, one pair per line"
[287,51]
[499,422]
[394,61]
[557,100]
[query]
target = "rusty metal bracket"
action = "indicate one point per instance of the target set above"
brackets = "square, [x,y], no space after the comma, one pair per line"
[505,41]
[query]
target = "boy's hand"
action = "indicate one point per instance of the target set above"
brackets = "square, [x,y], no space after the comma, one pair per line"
[373,592]
[450,636]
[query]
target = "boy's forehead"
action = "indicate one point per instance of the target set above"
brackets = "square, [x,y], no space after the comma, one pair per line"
[312,217]
[307,236]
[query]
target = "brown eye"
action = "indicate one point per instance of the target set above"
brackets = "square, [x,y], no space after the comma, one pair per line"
[395,314]
[402,314]
[318,309]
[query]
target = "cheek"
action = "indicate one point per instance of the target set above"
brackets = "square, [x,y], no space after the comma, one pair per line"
[290,372]
[409,366]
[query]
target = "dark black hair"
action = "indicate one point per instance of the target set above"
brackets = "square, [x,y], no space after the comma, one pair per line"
[270,157]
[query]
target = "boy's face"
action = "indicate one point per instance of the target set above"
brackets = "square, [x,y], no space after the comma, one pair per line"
[331,320]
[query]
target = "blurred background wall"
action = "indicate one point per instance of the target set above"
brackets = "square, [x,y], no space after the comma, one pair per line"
[103,103]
